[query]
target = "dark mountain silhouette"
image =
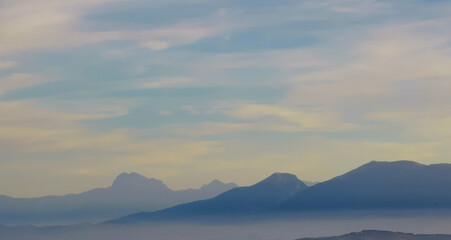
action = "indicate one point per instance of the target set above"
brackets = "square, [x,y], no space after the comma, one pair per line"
[376,185]
[388,185]
[257,198]
[309,183]
[129,193]
[385,235]
[132,181]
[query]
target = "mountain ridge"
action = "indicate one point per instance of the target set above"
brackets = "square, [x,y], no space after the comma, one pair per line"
[399,184]
[128,193]
[375,185]
[386,235]
[261,196]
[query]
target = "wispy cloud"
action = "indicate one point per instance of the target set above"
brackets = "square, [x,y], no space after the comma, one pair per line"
[166,82]
[378,67]
[32,134]
[7,64]
[267,118]
[21,80]
[28,27]
[311,87]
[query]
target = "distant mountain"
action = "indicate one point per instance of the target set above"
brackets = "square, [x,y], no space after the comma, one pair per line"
[257,198]
[383,235]
[309,183]
[129,193]
[373,186]
[377,185]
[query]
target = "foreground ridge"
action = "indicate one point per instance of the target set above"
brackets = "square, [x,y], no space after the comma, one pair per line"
[383,235]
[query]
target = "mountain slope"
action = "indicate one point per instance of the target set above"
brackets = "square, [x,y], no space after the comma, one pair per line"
[260,197]
[129,193]
[385,235]
[390,185]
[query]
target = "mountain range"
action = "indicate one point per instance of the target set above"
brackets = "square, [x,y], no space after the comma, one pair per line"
[263,196]
[376,185]
[380,185]
[385,235]
[399,185]
[129,193]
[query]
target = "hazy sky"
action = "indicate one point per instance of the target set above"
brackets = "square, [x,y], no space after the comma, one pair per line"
[191,90]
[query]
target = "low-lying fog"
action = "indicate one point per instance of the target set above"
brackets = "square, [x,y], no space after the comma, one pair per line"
[248,230]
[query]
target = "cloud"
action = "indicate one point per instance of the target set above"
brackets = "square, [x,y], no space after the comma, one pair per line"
[165,113]
[189,108]
[54,141]
[366,89]
[256,111]
[381,72]
[178,34]
[210,128]
[430,125]
[303,118]
[156,45]
[20,80]
[166,82]
[27,26]
[280,59]
[7,64]
[37,129]
[265,118]
[113,54]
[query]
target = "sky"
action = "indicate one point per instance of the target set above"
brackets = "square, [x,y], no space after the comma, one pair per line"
[195,90]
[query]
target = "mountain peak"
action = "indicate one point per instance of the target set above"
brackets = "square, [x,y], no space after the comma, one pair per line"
[137,181]
[390,185]
[216,185]
[263,196]
[279,178]
[215,182]
[394,163]
[128,177]
[401,164]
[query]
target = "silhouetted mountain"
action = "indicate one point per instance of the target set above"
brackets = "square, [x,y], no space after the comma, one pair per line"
[129,193]
[135,181]
[389,185]
[309,183]
[376,185]
[217,186]
[262,196]
[383,235]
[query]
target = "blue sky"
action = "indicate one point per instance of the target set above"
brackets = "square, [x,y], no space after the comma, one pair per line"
[188,91]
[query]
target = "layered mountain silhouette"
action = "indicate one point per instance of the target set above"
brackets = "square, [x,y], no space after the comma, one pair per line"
[129,193]
[385,235]
[387,185]
[376,185]
[257,198]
